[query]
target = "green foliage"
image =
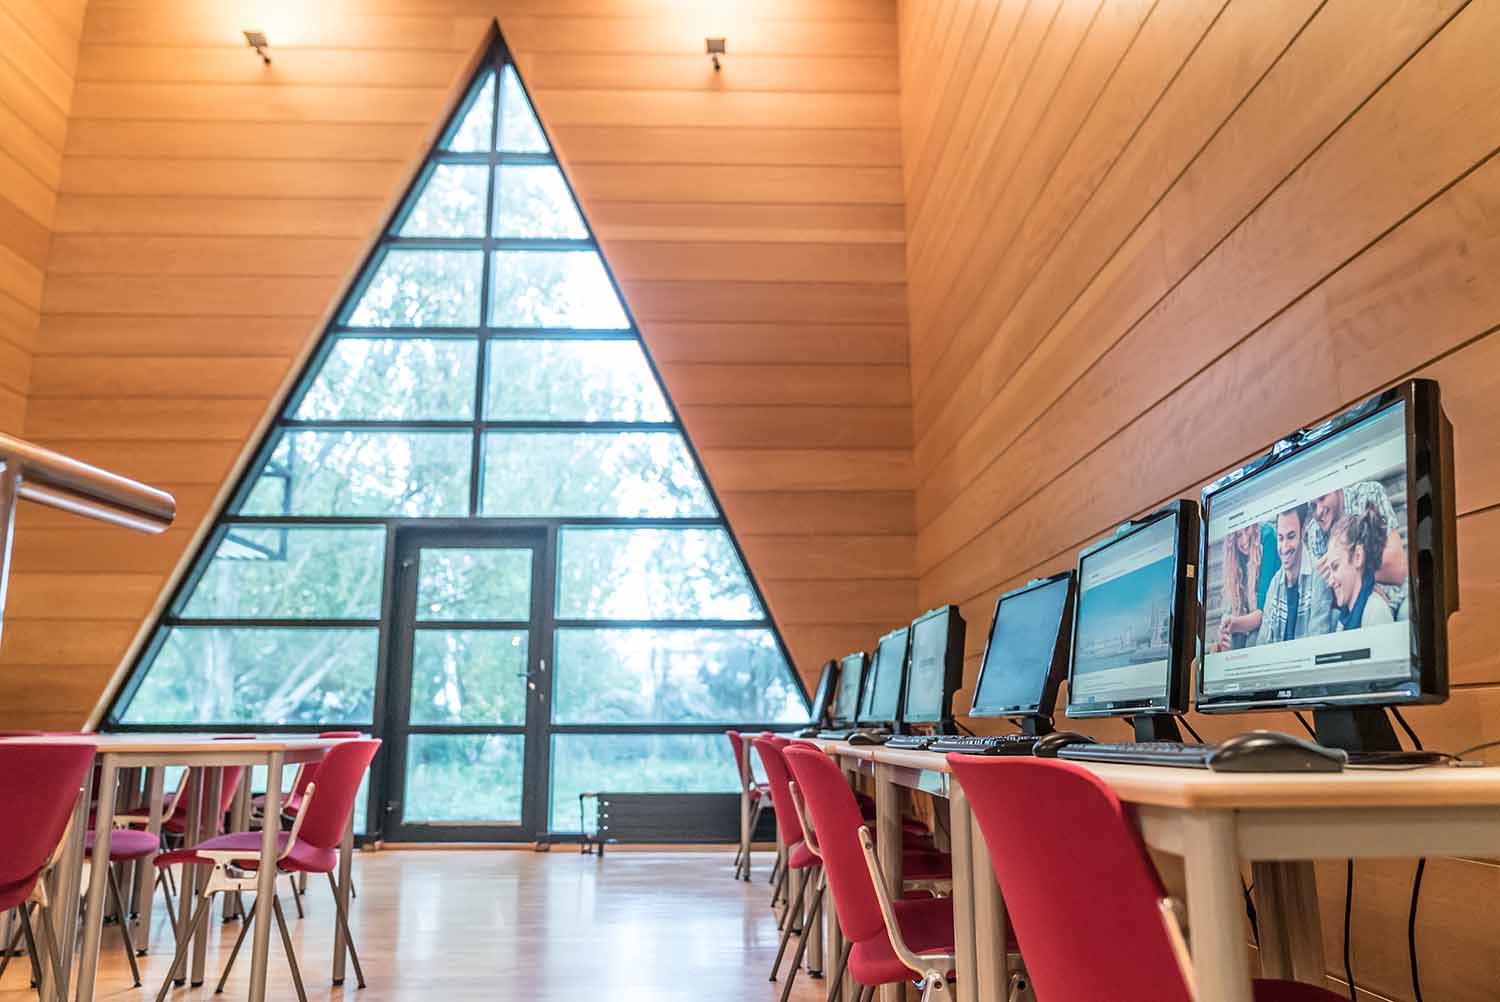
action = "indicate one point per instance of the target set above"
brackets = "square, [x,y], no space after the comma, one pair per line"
[393,379]
[536,379]
[627,474]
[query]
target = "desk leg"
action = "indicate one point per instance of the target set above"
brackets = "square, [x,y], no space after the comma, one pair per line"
[211,819]
[991,925]
[265,881]
[93,912]
[1291,936]
[63,898]
[835,949]
[1221,960]
[745,833]
[239,821]
[814,926]
[346,877]
[960,835]
[145,890]
[888,849]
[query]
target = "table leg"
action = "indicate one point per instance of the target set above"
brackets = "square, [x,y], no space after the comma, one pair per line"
[835,946]
[239,821]
[145,890]
[1221,962]
[211,819]
[1271,916]
[346,877]
[63,897]
[991,926]
[265,881]
[745,834]
[93,912]
[187,890]
[888,850]
[814,926]
[962,843]
[1292,920]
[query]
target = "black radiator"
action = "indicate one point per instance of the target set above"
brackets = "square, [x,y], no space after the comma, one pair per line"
[673,818]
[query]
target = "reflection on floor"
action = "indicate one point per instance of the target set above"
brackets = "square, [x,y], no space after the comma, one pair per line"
[495,926]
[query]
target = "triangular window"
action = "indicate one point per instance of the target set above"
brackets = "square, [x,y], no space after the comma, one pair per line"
[482,374]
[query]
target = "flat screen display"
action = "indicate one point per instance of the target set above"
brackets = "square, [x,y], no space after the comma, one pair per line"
[927,674]
[825,690]
[1122,637]
[851,675]
[1022,649]
[882,696]
[1305,573]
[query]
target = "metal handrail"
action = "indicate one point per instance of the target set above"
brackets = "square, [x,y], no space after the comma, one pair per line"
[31,473]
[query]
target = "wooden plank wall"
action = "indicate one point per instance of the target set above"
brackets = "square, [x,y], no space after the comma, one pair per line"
[38,60]
[1148,237]
[211,209]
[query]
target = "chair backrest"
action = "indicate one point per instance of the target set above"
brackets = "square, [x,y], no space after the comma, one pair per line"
[769,748]
[836,820]
[309,770]
[339,774]
[1082,894]
[737,743]
[39,784]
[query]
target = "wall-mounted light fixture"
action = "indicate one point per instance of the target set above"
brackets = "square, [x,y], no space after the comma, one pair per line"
[715,48]
[257,41]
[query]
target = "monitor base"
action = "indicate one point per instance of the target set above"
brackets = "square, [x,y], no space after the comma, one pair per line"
[1035,724]
[1156,727]
[1365,732]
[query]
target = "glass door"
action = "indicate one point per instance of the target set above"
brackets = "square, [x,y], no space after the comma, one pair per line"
[469,686]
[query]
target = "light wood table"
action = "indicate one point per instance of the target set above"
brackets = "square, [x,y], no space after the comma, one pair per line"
[154,752]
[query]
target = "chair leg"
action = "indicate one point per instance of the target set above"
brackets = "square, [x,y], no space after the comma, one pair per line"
[286,942]
[186,929]
[24,914]
[166,897]
[813,914]
[291,878]
[359,974]
[239,941]
[12,945]
[119,900]
[776,891]
[935,988]
[838,977]
[790,926]
[48,946]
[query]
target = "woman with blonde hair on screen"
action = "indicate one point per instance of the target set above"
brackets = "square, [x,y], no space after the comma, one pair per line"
[1243,554]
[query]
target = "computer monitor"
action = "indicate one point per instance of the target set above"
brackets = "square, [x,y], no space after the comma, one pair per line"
[880,704]
[1133,627]
[1330,570]
[1026,654]
[935,668]
[824,694]
[851,679]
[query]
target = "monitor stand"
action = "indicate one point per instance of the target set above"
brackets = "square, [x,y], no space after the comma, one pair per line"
[1035,725]
[1156,727]
[1365,732]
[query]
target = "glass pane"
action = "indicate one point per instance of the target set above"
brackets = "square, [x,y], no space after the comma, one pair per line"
[292,572]
[474,584]
[476,129]
[393,379]
[468,677]
[634,763]
[539,380]
[422,288]
[411,473]
[451,204]
[464,777]
[262,675]
[534,201]
[673,676]
[553,289]
[633,473]
[652,574]
[520,132]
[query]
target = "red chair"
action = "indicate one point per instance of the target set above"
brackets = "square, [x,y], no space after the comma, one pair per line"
[39,786]
[1079,884]
[758,793]
[312,846]
[877,938]
[920,862]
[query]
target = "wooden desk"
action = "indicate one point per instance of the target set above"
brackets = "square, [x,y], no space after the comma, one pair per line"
[1279,823]
[154,752]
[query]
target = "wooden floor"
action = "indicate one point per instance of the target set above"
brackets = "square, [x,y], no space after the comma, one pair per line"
[496,926]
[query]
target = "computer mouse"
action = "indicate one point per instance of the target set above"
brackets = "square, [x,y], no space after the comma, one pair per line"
[868,738]
[1048,745]
[1272,751]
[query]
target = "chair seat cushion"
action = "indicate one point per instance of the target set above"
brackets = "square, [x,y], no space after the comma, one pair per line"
[1292,991]
[303,858]
[926,865]
[290,804]
[800,857]
[127,843]
[926,925]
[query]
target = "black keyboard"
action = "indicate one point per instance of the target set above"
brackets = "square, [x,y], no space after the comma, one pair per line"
[912,742]
[836,735]
[988,744]
[1143,753]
